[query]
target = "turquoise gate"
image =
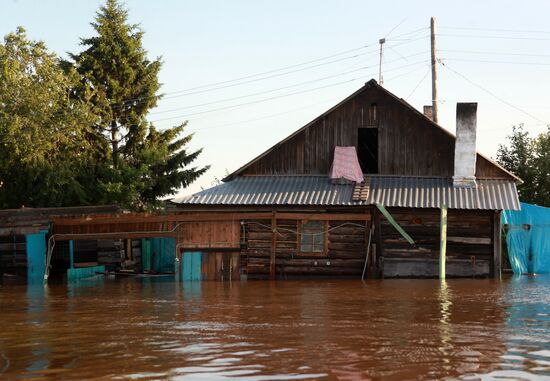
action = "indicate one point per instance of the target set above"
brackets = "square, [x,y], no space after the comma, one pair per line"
[158,254]
[36,256]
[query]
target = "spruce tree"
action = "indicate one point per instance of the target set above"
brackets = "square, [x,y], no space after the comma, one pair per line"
[145,164]
[45,132]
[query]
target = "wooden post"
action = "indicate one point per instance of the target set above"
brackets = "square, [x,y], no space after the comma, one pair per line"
[443,238]
[497,245]
[129,254]
[434,70]
[379,247]
[272,257]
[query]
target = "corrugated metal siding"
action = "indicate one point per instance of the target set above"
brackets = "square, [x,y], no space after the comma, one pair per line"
[391,191]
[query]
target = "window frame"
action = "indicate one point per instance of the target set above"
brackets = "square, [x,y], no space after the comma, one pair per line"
[324,244]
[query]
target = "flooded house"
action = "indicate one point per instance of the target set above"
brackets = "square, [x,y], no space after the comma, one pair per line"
[372,187]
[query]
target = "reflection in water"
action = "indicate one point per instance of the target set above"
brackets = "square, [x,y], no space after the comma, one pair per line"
[152,329]
[445,327]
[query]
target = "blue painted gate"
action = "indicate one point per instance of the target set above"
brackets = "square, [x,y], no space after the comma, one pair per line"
[36,256]
[158,254]
[191,265]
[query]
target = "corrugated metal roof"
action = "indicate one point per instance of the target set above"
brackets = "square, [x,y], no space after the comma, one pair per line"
[275,190]
[397,191]
[433,192]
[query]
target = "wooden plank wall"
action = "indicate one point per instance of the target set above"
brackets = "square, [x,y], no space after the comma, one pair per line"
[469,235]
[220,266]
[344,255]
[209,234]
[409,144]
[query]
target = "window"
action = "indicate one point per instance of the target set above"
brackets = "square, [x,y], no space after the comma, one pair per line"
[312,237]
[373,115]
[367,149]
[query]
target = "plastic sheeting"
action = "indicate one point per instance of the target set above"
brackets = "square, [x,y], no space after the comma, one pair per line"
[528,239]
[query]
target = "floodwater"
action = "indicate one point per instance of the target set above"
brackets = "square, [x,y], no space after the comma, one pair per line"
[159,329]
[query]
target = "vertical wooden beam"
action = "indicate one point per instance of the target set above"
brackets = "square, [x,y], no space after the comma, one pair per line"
[443,243]
[325,237]
[379,246]
[129,254]
[497,244]
[272,257]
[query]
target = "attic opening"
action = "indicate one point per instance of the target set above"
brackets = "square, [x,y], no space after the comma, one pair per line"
[367,149]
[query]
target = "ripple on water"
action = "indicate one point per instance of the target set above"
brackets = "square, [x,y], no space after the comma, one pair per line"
[291,330]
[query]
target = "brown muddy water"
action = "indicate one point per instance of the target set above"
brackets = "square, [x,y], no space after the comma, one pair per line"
[158,329]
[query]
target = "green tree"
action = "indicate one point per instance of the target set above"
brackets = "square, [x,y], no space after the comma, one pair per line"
[146,164]
[529,158]
[44,130]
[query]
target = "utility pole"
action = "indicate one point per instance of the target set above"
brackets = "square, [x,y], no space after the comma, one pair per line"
[380,78]
[434,70]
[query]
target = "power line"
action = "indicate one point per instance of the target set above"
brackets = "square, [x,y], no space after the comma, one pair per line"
[411,32]
[492,94]
[403,74]
[261,92]
[262,117]
[280,88]
[256,101]
[494,53]
[493,37]
[212,86]
[277,96]
[497,30]
[395,27]
[498,62]
[418,84]
[188,92]
[228,83]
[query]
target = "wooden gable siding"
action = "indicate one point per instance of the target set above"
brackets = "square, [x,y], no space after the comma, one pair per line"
[408,143]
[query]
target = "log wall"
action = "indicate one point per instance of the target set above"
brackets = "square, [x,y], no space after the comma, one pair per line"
[470,241]
[344,254]
[13,255]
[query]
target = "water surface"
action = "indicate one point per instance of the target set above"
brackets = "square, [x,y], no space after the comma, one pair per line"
[158,329]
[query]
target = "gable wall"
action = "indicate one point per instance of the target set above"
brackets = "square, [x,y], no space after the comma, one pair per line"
[408,144]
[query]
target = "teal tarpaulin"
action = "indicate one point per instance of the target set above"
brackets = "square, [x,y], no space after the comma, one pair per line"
[528,239]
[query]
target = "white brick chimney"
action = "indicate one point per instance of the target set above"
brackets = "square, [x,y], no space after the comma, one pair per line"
[465,146]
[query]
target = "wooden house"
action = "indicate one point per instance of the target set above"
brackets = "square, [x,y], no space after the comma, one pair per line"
[294,212]
[281,216]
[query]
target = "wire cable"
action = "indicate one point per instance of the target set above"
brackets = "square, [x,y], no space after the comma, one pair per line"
[191,91]
[278,89]
[261,92]
[496,29]
[494,53]
[492,37]
[496,62]
[418,84]
[491,93]
[275,97]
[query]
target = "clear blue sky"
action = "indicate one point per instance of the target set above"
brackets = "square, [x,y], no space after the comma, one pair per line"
[502,46]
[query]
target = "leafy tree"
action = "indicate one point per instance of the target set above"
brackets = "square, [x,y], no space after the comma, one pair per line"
[44,134]
[146,164]
[529,158]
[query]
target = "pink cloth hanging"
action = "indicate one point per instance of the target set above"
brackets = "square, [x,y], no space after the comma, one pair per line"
[346,165]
